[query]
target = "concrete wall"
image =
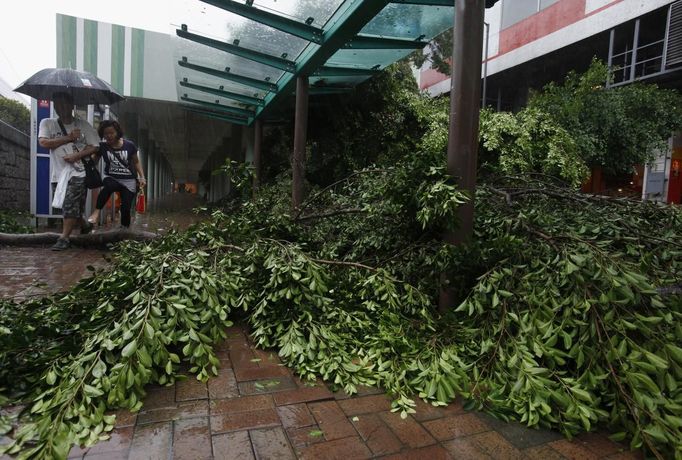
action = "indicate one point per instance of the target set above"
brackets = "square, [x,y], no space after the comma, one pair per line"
[15,172]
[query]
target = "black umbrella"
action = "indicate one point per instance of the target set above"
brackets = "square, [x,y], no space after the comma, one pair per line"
[83,86]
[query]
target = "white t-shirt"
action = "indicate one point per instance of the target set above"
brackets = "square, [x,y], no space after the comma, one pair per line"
[49,128]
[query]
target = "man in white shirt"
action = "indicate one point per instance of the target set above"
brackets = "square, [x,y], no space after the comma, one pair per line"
[66,150]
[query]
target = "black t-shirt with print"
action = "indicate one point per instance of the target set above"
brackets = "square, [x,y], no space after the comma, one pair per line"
[119,161]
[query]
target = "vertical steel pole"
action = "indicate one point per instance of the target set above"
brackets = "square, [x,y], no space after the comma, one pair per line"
[664,57]
[635,45]
[612,39]
[257,159]
[300,132]
[485,65]
[465,96]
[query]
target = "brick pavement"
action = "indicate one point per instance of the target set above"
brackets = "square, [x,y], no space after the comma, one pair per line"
[257,409]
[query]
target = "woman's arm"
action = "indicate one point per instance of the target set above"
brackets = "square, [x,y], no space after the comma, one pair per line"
[140,172]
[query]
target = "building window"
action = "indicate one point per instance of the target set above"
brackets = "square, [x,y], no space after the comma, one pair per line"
[514,11]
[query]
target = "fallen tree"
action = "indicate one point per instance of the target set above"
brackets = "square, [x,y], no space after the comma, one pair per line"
[88,240]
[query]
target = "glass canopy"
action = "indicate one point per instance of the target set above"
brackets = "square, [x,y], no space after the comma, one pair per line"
[238,59]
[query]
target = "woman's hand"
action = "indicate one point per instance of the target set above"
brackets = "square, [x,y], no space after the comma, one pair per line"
[142,181]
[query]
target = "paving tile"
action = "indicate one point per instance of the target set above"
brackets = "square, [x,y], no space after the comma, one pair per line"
[304,436]
[120,441]
[444,429]
[362,390]
[242,404]
[542,453]
[232,446]
[192,439]
[235,421]
[365,404]
[496,446]
[627,455]
[302,395]
[261,373]
[431,452]
[243,358]
[266,386]
[125,418]
[190,389]
[426,411]
[271,443]
[187,409]
[407,430]
[295,416]
[599,444]
[378,437]
[573,450]
[158,397]
[520,435]
[152,441]
[118,455]
[268,358]
[331,420]
[223,385]
[339,449]
[465,448]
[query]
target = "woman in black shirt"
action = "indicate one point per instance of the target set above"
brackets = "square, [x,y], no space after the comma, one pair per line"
[122,170]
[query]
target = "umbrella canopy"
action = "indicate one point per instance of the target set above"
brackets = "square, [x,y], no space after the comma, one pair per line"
[83,86]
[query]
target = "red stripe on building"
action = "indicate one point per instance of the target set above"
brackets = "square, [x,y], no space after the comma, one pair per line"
[554,17]
[430,77]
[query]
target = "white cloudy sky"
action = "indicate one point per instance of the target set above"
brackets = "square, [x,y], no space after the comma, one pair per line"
[28,27]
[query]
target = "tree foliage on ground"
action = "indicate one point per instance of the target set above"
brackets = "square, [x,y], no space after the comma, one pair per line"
[568,313]
[15,114]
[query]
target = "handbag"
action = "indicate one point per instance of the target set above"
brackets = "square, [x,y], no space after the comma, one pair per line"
[140,205]
[93,179]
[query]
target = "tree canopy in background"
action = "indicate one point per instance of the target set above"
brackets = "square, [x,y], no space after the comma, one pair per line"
[15,114]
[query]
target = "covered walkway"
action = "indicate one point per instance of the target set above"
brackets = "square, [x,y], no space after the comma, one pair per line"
[257,409]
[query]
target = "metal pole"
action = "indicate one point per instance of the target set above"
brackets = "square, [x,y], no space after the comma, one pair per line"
[300,131]
[612,39]
[464,116]
[635,45]
[485,65]
[257,160]
[664,58]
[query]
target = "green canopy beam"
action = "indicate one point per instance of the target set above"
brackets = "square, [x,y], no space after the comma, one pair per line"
[252,55]
[346,25]
[290,26]
[227,75]
[377,42]
[217,116]
[328,71]
[222,93]
[323,90]
[425,2]
[220,107]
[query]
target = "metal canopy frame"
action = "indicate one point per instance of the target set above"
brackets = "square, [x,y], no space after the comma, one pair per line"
[323,56]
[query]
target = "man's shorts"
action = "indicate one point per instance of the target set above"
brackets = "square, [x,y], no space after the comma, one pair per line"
[74,200]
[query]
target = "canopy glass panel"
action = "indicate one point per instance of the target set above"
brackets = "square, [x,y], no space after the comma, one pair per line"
[266,44]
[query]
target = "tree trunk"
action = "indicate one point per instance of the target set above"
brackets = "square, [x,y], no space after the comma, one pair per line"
[89,240]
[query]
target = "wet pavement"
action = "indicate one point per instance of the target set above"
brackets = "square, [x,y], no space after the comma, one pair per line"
[257,409]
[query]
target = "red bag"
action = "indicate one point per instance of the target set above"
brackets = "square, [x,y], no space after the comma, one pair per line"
[140,205]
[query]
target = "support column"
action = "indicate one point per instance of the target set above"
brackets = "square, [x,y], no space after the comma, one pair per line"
[257,159]
[635,45]
[157,176]
[151,173]
[465,95]
[300,132]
